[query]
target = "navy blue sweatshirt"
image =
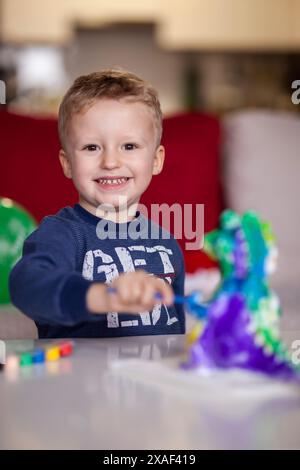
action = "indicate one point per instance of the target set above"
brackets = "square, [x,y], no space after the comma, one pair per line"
[74,248]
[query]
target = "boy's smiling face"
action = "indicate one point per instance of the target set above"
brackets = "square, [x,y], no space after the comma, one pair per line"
[111,154]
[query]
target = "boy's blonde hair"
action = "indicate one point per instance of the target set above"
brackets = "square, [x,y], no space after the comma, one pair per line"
[109,83]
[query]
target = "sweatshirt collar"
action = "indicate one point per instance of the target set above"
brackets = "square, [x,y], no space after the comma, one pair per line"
[94,220]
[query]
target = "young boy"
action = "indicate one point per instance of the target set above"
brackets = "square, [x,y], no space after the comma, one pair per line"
[110,126]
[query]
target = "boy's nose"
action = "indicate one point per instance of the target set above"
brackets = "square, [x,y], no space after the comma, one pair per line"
[109,160]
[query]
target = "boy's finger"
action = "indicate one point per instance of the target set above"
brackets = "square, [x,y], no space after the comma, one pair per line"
[121,292]
[134,290]
[127,293]
[148,299]
[130,288]
[166,292]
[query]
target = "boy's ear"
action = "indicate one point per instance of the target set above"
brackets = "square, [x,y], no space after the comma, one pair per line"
[159,159]
[65,163]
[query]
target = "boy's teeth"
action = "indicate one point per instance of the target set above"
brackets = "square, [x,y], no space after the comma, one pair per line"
[113,181]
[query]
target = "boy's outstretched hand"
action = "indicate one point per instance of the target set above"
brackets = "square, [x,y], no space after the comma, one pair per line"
[135,293]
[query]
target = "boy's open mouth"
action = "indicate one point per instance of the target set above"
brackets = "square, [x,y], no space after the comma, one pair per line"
[113,182]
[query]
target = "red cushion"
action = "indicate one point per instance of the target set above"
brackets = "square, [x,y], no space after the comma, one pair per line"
[32,175]
[191,173]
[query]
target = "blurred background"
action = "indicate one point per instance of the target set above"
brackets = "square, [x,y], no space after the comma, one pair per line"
[216,55]
[224,70]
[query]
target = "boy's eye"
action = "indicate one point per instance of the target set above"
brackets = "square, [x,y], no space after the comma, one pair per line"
[91,147]
[130,146]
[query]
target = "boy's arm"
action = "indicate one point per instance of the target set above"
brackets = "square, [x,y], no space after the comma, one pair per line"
[47,286]
[44,283]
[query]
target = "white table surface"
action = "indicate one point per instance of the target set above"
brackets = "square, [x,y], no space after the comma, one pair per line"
[129,393]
